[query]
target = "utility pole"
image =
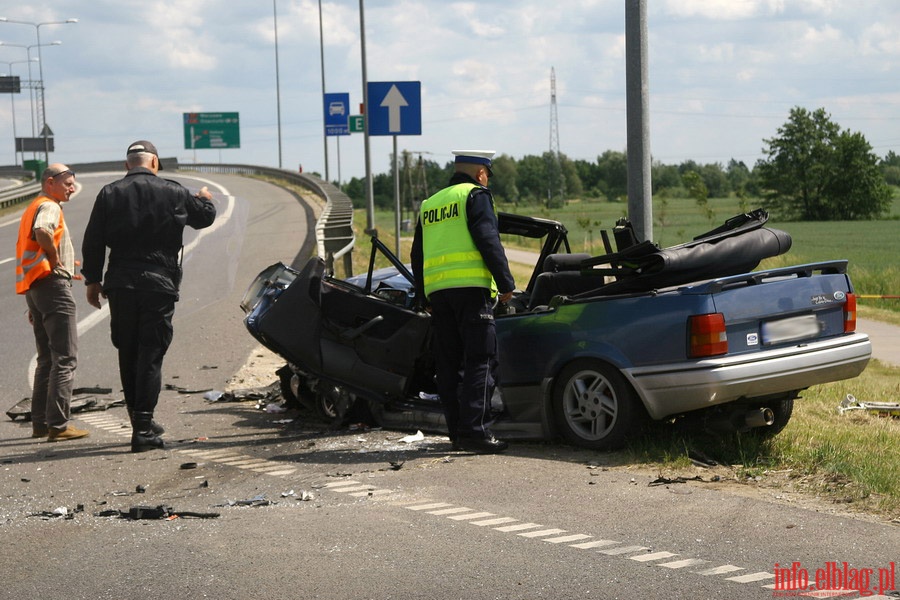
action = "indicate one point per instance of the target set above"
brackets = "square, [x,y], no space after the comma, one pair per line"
[640,199]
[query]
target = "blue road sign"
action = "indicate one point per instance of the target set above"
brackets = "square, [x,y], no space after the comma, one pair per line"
[395,108]
[337,113]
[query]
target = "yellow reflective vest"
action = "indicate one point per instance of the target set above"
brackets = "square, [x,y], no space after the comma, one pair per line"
[31,261]
[450,257]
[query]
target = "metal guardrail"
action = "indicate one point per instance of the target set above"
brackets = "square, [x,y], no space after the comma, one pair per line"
[334,227]
[18,194]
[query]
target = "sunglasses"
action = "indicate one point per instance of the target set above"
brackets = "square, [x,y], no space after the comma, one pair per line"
[66,172]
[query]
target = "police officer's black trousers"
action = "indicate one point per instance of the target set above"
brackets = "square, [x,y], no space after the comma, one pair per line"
[141,329]
[465,353]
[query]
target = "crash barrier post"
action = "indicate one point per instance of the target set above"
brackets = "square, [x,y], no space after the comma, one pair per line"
[334,227]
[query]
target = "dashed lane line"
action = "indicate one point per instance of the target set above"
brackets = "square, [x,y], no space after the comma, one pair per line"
[223,456]
[447,510]
[653,556]
[519,527]
[583,541]
[720,570]
[595,544]
[751,577]
[541,533]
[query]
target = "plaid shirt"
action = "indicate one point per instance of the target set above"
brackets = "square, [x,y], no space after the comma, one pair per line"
[47,218]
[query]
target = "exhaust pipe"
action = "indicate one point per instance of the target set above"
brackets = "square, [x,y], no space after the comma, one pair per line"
[760,417]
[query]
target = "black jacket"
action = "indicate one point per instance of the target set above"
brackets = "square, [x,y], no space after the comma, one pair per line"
[482,223]
[141,219]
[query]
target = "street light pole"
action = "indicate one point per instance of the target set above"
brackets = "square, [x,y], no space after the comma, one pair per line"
[277,80]
[12,104]
[45,132]
[32,84]
[322,69]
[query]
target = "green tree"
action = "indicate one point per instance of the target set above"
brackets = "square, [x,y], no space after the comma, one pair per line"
[574,188]
[589,175]
[696,189]
[738,176]
[664,177]
[815,172]
[890,166]
[614,172]
[504,183]
[532,179]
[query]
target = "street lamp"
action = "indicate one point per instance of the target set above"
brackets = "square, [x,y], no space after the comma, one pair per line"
[12,101]
[277,78]
[37,28]
[31,82]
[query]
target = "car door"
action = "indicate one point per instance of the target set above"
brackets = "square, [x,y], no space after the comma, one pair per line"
[373,340]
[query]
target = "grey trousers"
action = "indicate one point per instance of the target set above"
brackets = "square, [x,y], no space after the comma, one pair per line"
[52,308]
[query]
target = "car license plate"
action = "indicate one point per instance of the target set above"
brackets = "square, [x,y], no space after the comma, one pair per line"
[790,330]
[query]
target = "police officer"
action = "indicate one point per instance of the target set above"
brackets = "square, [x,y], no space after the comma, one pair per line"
[460,267]
[141,219]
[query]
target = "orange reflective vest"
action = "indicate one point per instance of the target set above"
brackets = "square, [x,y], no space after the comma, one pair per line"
[31,261]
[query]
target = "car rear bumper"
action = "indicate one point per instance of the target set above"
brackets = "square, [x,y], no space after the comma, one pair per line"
[677,388]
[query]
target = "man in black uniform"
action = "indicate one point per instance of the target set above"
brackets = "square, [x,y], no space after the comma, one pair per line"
[141,219]
[460,266]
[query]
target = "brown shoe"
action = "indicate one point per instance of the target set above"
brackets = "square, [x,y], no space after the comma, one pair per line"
[69,433]
[39,431]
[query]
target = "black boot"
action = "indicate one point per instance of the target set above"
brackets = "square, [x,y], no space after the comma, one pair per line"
[143,437]
[156,427]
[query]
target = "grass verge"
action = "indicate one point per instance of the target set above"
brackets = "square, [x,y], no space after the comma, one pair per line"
[850,459]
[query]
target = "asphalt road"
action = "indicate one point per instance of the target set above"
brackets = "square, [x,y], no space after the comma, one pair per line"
[309,513]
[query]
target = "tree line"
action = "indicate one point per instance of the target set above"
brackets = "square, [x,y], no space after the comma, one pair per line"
[812,170]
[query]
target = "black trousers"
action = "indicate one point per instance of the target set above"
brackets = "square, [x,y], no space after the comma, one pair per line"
[141,330]
[465,353]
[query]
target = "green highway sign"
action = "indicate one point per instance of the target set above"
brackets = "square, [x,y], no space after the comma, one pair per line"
[357,123]
[211,130]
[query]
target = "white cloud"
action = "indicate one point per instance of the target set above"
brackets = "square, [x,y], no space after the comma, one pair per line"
[723,74]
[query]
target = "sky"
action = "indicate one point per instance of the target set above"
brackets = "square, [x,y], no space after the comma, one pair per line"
[723,75]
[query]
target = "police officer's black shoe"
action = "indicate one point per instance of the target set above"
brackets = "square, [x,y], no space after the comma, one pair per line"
[156,427]
[143,436]
[487,445]
[142,441]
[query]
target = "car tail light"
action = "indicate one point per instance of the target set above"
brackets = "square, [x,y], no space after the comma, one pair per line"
[850,314]
[707,335]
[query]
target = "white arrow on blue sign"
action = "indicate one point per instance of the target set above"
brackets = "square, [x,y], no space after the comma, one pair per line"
[395,107]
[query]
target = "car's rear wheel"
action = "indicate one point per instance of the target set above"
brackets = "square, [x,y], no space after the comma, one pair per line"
[594,405]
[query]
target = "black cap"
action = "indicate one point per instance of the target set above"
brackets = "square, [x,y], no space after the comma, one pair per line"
[144,146]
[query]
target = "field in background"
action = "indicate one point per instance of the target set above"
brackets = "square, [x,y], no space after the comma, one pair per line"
[871,247]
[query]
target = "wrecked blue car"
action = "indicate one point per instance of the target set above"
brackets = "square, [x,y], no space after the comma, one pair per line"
[592,347]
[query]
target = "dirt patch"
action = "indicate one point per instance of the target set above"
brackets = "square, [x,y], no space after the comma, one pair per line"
[258,371]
